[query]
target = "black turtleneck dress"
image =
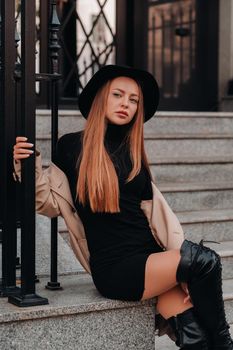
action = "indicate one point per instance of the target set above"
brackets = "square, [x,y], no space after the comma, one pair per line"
[119,243]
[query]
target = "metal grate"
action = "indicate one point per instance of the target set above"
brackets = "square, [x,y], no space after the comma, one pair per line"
[87,38]
[172,44]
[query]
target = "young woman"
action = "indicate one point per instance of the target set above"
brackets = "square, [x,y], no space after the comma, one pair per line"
[108,178]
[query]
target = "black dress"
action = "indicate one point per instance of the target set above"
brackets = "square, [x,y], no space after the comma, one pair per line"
[119,243]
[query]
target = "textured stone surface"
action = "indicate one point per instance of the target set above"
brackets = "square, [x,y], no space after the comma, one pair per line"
[202,199]
[193,172]
[121,329]
[169,148]
[190,125]
[66,124]
[78,296]
[78,317]
[186,147]
[67,262]
[216,231]
[162,123]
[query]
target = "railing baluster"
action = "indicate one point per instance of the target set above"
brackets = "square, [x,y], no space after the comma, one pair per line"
[54,47]
[27,296]
[7,139]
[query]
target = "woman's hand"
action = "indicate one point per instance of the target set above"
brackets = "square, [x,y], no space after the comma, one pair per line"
[185,289]
[22,148]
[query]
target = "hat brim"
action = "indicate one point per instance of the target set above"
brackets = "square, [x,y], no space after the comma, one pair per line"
[146,81]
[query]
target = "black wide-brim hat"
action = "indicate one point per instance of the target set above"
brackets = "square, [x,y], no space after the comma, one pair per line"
[146,80]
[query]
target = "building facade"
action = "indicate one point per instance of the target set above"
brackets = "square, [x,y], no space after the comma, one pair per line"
[186,44]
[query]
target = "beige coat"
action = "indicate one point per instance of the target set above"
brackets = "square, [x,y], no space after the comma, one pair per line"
[53,198]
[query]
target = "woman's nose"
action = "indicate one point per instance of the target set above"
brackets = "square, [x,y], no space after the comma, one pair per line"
[125,101]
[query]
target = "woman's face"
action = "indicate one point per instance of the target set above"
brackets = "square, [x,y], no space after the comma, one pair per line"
[122,102]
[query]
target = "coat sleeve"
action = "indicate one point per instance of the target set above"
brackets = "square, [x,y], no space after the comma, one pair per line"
[45,202]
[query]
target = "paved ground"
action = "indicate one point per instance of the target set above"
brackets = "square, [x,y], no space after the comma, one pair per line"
[164,343]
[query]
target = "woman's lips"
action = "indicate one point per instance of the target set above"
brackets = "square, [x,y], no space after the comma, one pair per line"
[122,114]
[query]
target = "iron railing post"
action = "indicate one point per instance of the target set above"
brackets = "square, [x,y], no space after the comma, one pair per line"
[54,47]
[7,140]
[27,296]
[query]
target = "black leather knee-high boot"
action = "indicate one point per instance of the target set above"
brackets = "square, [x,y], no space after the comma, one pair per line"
[201,268]
[188,332]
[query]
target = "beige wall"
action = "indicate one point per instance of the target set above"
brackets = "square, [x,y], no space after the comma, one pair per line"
[225,45]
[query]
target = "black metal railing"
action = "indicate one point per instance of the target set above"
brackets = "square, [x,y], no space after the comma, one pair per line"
[85,46]
[18,104]
[7,137]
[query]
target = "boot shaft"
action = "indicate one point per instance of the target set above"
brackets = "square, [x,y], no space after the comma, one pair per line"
[201,268]
[188,331]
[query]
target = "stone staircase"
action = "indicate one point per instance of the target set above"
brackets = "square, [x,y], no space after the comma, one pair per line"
[191,157]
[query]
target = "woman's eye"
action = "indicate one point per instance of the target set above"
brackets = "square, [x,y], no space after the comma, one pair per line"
[134,101]
[116,94]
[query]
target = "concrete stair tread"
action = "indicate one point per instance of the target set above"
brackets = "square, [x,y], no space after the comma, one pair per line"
[228,289]
[184,114]
[161,136]
[188,114]
[213,215]
[224,249]
[188,160]
[190,136]
[193,186]
[190,217]
[78,295]
[194,160]
[182,161]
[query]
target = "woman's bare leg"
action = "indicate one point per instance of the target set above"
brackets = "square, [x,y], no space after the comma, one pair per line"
[160,280]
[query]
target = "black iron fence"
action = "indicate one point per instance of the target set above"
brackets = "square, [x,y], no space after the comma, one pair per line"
[34,49]
[17,117]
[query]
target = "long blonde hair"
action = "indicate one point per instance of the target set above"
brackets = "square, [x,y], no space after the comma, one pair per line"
[97,180]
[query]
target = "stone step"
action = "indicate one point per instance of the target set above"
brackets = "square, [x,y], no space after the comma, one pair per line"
[67,261]
[179,148]
[203,172]
[162,123]
[190,159]
[198,196]
[215,224]
[77,317]
[225,250]
[190,123]
[68,121]
[78,314]
[185,147]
